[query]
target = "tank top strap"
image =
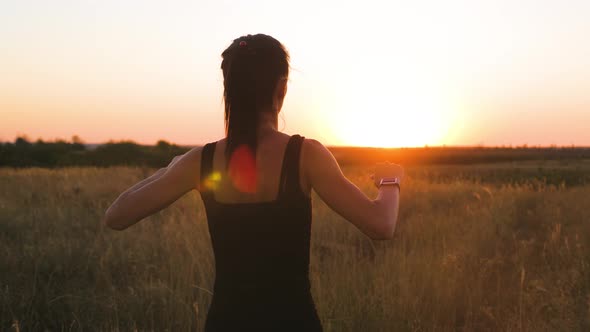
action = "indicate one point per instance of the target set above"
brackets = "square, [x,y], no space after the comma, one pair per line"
[207,168]
[289,182]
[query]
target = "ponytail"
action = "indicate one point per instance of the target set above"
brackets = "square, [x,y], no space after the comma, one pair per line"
[252,66]
[241,111]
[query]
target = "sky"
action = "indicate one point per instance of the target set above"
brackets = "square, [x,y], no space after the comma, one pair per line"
[364,73]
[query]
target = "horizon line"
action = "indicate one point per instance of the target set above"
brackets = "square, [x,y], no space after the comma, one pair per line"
[426,146]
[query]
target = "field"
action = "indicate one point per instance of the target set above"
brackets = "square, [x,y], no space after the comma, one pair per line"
[491,247]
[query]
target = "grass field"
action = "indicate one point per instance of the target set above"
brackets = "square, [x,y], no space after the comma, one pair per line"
[502,247]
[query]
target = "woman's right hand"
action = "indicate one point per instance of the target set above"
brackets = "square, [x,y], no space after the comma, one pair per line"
[387,170]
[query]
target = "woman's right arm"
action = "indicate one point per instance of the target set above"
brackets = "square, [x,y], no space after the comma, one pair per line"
[376,218]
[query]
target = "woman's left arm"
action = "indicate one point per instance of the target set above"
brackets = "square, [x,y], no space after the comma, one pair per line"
[156,192]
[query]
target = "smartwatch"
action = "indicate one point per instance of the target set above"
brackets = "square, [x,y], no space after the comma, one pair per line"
[389,182]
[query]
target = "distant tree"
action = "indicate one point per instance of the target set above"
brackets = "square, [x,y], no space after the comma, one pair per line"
[22,141]
[163,145]
[78,143]
[77,140]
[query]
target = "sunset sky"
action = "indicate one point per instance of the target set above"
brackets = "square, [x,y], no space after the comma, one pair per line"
[369,73]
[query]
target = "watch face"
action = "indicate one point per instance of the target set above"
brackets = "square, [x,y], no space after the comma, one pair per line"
[389,181]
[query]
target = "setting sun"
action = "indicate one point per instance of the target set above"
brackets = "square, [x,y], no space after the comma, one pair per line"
[406,121]
[399,109]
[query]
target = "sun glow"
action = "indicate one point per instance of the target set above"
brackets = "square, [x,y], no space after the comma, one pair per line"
[374,73]
[405,123]
[395,116]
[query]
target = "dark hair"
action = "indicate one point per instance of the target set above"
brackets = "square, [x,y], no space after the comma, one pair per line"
[252,66]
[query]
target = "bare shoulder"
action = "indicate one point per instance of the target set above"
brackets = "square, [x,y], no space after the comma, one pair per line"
[310,148]
[188,163]
[314,151]
[186,168]
[193,156]
[311,143]
[317,159]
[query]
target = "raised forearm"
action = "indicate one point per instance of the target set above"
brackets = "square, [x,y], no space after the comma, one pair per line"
[145,181]
[114,216]
[134,188]
[387,205]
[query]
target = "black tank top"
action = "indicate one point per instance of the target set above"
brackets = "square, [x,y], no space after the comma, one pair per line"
[262,256]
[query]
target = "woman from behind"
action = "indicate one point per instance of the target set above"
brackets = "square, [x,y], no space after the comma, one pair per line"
[256,185]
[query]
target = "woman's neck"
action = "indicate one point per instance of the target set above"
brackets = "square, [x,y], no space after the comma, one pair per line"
[268,123]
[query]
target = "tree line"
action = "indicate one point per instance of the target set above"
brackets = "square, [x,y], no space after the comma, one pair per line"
[60,153]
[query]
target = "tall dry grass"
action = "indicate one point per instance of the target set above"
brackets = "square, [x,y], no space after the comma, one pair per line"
[466,257]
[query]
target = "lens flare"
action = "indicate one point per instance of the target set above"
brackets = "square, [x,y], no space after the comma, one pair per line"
[212,181]
[242,169]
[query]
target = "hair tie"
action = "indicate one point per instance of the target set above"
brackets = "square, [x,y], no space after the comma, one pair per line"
[243,44]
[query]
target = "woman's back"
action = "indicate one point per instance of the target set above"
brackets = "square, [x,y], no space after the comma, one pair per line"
[261,247]
[269,161]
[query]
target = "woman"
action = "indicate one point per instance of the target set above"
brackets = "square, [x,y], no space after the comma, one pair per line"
[256,185]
